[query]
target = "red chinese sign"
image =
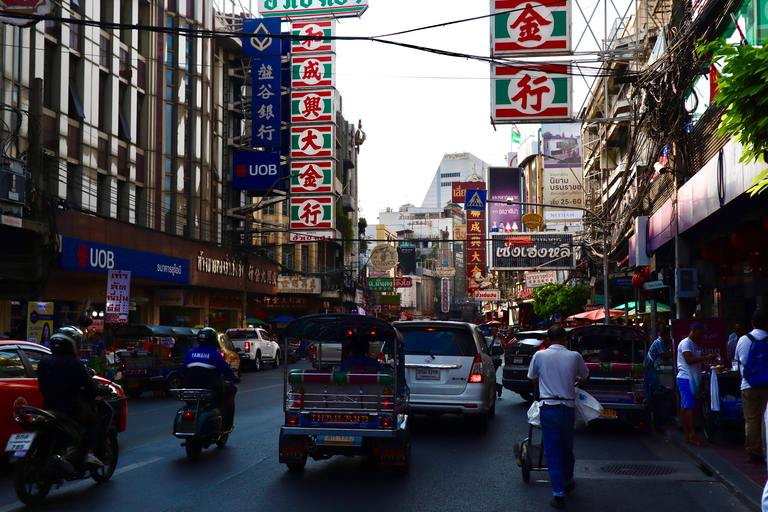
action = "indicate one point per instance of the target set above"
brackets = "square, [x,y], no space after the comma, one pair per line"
[529,27]
[531,93]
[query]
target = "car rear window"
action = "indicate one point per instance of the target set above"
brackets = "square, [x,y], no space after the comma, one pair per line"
[609,349]
[439,341]
[241,335]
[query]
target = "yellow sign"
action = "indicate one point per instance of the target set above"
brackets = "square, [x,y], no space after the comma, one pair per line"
[40,322]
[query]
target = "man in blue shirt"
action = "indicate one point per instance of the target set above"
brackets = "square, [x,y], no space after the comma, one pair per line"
[205,368]
[659,352]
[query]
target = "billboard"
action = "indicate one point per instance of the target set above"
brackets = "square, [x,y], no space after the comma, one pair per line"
[523,27]
[561,176]
[503,183]
[526,251]
[307,32]
[312,8]
[256,170]
[531,93]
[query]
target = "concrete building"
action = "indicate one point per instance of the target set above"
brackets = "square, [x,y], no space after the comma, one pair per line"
[453,167]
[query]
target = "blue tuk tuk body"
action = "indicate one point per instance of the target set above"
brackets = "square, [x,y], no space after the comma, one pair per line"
[151,356]
[356,412]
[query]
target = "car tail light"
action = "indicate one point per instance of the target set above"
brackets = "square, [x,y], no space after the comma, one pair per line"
[291,419]
[476,374]
[639,398]
[386,403]
[188,416]
[247,346]
[386,422]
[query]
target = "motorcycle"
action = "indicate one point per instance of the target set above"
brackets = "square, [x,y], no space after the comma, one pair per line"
[49,450]
[199,422]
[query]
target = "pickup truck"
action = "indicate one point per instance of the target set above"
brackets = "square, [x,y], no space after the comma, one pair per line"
[614,356]
[255,347]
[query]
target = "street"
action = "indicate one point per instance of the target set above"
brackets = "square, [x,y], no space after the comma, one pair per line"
[452,468]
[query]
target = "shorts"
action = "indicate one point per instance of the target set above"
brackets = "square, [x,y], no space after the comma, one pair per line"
[687,398]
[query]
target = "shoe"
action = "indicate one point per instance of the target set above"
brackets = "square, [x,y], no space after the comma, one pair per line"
[696,443]
[499,393]
[755,459]
[91,460]
[569,487]
[557,502]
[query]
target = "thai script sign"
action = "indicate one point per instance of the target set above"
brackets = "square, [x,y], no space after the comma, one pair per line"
[532,93]
[403,282]
[383,257]
[118,296]
[525,27]
[380,284]
[314,235]
[522,251]
[312,8]
[40,322]
[536,279]
[459,189]
[234,268]
[445,271]
[488,295]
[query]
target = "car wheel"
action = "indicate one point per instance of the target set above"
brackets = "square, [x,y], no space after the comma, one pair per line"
[276,362]
[173,382]
[238,373]
[526,396]
[257,362]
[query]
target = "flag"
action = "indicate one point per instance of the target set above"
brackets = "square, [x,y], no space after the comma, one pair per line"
[515,135]
[664,155]
[714,76]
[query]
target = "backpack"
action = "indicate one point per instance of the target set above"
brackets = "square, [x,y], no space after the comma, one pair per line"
[755,370]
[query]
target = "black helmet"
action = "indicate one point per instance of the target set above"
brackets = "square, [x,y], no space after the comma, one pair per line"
[207,337]
[67,340]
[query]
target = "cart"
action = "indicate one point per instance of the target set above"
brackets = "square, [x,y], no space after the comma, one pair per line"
[530,456]
[731,414]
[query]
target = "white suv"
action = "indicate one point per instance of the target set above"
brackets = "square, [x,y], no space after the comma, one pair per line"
[254,346]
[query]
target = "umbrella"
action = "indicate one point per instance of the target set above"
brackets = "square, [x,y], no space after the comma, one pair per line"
[493,322]
[595,314]
[255,321]
[282,319]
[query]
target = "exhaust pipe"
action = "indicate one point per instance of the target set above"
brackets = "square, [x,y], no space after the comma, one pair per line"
[310,442]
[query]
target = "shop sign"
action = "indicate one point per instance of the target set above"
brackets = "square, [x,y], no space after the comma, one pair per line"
[118,296]
[25,7]
[359,297]
[459,189]
[261,44]
[313,106]
[225,302]
[534,93]
[460,232]
[525,293]
[312,212]
[170,297]
[314,235]
[293,9]
[266,102]
[524,251]
[392,300]
[288,302]
[379,273]
[562,187]
[488,295]
[312,176]
[40,322]
[523,27]
[313,141]
[233,268]
[445,271]
[713,343]
[313,71]
[256,170]
[445,297]
[296,284]
[403,282]
[537,279]
[383,257]
[592,307]
[313,36]
[380,284]
[100,259]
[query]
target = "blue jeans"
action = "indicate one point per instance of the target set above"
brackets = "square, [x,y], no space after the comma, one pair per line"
[557,424]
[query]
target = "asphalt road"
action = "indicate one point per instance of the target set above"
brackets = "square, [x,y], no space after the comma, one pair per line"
[453,468]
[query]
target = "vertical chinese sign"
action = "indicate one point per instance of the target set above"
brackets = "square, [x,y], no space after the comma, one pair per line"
[476,243]
[118,296]
[536,92]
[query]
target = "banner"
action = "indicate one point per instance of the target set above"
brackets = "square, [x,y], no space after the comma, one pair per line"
[118,296]
[40,322]
[561,181]
[503,183]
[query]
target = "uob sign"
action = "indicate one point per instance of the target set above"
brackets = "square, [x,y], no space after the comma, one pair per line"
[256,170]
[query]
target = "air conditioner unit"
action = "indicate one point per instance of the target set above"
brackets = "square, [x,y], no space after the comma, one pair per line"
[686,283]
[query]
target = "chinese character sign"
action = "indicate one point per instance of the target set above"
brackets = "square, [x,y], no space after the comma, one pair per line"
[118,296]
[459,189]
[311,176]
[266,102]
[312,71]
[524,27]
[312,212]
[531,93]
[313,37]
[310,141]
[312,106]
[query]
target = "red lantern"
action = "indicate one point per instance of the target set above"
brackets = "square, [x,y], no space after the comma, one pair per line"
[721,252]
[647,272]
[750,238]
[638,280]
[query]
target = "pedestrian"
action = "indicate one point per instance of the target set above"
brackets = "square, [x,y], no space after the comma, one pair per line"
[689,361]
[659,352]
[753,400]
[98,354]
[739,330]
[496,338]
[556,370]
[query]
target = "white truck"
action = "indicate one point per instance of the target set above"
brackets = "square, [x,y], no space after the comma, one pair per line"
[255,347]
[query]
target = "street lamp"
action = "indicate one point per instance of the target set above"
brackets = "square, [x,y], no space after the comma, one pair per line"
[510,201]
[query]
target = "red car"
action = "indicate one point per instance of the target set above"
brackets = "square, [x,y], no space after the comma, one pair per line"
[18,385]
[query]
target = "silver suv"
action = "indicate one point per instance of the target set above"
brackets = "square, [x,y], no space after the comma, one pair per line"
[448,369]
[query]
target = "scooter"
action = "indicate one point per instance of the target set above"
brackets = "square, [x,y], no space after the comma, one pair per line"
[49,451]
[198,422]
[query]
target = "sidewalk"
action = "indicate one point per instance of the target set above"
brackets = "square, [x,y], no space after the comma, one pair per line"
[727,460]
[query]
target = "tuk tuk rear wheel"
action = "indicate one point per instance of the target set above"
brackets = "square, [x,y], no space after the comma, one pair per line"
[297,466]
[193,449]
[171,383]
[222,442]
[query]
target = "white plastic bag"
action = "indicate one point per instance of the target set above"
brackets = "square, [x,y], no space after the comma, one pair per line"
[534,417]
[587,408]
[714,391]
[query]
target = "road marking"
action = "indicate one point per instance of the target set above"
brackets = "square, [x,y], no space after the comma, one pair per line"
[85,482]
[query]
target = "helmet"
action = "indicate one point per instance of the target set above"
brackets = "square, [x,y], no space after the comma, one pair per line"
[67,340]
[207,337]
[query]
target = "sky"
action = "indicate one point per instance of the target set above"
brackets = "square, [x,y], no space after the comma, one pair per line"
[417,106]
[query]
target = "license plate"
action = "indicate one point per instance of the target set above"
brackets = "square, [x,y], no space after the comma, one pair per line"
[340,440]
[518,360]
[608,413]
[427,374]
[20,443]
[131,384]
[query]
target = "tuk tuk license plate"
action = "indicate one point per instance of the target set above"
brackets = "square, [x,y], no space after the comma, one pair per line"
[608,413]
[20,443]
[518,360]
[427,374]
[339,440]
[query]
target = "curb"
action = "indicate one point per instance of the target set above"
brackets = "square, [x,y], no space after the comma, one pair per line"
[734,485]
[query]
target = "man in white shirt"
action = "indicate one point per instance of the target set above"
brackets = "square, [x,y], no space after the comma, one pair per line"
[556,370]
[689,361]
[739,330]
[753,400]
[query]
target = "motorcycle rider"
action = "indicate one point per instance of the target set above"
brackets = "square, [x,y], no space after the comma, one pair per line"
[205,368]
[68,388]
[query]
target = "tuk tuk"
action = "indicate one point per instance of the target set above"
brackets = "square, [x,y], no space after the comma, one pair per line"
[334,410]
[149,357]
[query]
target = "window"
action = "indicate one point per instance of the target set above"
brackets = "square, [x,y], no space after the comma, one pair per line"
[11,366]
[75,107]
[446,184]
[49,75]
[270,209]
[124,128]
[74,184]
[305,258]
[104,195]
[34,357]
[105,112]
[270,251]
[289,256]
